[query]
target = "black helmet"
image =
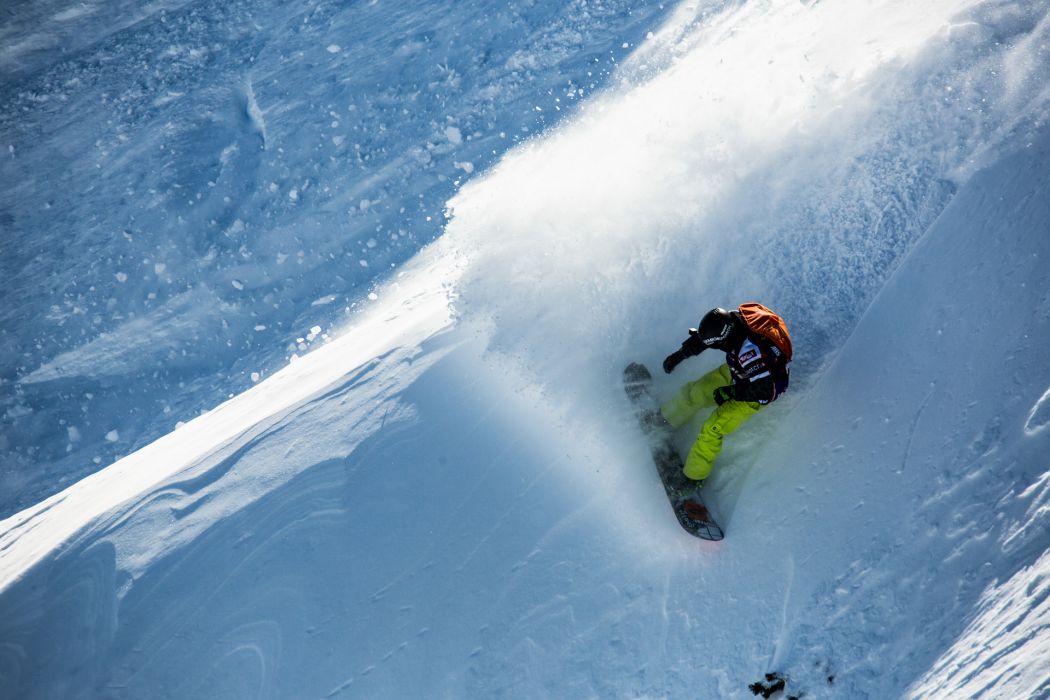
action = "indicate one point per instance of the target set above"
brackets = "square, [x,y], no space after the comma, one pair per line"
[715,327]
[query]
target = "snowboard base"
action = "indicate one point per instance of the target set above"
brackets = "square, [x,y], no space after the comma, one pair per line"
[682,493]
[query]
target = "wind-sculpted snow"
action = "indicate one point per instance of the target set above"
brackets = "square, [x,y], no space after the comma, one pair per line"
[921,460]
[1015,614]
[448,496]
[36,34]
[356,542]
[384,337]
[193,187]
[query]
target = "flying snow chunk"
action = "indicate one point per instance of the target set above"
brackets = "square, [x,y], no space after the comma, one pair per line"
[454,135]
[112,436]
[334,48]
[465,166]
[122,277]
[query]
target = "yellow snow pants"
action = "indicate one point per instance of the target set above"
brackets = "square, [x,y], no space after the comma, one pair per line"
[723,420]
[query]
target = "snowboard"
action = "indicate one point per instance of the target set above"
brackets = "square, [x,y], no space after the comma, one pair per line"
[683,494]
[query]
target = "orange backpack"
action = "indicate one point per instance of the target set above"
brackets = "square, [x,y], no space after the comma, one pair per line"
[768,325]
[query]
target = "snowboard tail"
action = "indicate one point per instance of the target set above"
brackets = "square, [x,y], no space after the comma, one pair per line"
[682,493]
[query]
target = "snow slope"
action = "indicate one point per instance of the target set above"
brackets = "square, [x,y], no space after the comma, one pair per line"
[189,188]
[449,498]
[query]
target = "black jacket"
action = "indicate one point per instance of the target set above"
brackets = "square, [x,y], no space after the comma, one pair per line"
[759,369]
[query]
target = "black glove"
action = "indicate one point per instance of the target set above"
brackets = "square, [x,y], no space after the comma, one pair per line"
[672,360]
[692,347]
[723,394]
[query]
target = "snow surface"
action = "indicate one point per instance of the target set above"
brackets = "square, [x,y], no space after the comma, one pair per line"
[205,182]
[446,496]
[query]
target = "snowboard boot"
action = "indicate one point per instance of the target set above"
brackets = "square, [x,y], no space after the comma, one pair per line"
[684,486]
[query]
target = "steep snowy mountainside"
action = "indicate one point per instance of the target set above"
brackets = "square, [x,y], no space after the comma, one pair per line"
[460,504]
[918,480]
[37,34]
[798,172]
[423,525]
[1014,613]
[192,188]
[369,540]
[381,335]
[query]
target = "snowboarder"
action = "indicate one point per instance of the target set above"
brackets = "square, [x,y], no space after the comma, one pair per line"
[758,354]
